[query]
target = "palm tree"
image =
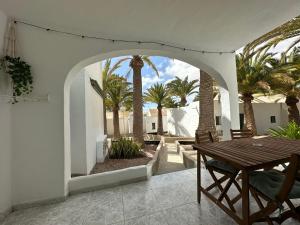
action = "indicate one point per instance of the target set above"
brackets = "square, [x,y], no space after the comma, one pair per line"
[106,74]
[206,105]
[288,30]
[157,93]
[253,75]
[136,64]
[118,92]
[182,88]
[286,81]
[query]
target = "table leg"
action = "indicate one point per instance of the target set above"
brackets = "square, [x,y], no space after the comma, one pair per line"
[198,177]
[245,198]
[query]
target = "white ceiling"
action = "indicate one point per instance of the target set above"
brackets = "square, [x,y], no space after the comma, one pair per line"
[203,24]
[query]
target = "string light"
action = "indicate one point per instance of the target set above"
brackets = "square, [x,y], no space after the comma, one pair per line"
[83,36]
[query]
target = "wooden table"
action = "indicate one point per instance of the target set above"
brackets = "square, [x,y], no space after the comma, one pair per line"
[246,155]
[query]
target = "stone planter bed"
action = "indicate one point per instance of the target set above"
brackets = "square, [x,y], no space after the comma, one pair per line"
[118,176]
[116,164]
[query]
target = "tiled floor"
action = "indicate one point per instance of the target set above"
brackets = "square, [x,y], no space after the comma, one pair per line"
[168,199]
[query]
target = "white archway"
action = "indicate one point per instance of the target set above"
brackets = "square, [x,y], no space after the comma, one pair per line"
[224,90]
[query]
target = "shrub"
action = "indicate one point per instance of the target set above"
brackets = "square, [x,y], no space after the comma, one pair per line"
[124,148]
[291,131]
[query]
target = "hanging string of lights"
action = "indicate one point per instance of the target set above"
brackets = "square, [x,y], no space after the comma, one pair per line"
[84,36]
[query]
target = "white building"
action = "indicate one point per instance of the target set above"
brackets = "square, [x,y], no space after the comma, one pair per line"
[269,112]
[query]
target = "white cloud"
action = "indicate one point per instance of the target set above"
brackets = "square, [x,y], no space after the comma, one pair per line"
[149,80]
[181,70]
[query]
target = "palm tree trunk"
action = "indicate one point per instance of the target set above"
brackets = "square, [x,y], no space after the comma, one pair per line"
[160,128]
[104,117]
[116,122]
[249,114]
[206,105]
[138,132]
[183,101]
[293,110]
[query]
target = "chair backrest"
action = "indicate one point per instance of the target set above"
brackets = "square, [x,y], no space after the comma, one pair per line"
[237,134]
[290,178]
[205,137]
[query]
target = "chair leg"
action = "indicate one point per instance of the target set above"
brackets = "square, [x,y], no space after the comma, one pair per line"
[261,206]
[221,189]
[226,188]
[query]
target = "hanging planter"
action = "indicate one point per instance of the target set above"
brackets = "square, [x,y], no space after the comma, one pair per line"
[20,74]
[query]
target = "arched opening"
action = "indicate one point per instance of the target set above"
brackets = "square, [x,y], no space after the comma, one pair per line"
[225,99]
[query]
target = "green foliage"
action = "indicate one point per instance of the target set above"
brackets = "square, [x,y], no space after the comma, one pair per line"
[20,74]
[118,92]
[253,74]
[290,29]
[286,74]
[124,148]
[291,131]
[182,88]
[157,93]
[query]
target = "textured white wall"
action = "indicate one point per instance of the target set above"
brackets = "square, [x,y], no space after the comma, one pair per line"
[153,119]
[93,116]
[78,125]
[86,120]
[5,134]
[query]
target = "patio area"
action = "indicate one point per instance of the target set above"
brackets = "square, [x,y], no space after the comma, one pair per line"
[168,199]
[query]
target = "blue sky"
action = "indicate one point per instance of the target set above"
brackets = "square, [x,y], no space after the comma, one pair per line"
[168,70]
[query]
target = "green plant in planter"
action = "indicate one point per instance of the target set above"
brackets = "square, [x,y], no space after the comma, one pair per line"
[124,148]
[291,131]
[20,74]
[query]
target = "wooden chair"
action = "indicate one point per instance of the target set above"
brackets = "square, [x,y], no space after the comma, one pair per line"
[276,188]
[238,134]
[229,174]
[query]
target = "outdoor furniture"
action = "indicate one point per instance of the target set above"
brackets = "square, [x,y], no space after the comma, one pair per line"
[276,188]
[246,155]
[238,134]
[212,165]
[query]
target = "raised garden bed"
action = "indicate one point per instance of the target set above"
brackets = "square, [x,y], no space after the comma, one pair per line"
[116,164]
[120,176]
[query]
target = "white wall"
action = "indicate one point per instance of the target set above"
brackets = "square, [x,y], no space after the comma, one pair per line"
[94,116]
[153,119]
[183,121]
[86,120]
[78,125]
[123,124]
[5,134]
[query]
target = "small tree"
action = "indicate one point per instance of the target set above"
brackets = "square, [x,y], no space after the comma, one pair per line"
[118,92]
[286,80]
[157,93]
[253,75]
[182,88]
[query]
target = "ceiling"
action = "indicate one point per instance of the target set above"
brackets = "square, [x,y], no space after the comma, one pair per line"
[202,24]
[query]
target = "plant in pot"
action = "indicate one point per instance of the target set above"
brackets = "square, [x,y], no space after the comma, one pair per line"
[20,74]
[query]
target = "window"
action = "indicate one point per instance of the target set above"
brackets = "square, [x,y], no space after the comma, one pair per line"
[218,120]
[153,126]
[273,119]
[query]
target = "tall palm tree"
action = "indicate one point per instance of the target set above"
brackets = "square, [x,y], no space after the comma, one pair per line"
[118,92]
[182,88]
[253,75]
[136,64]
[206,105]
[290,29]
[286,81]
[157,93]
[106,74]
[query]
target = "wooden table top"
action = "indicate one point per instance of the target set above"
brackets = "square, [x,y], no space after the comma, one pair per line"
[251,153]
